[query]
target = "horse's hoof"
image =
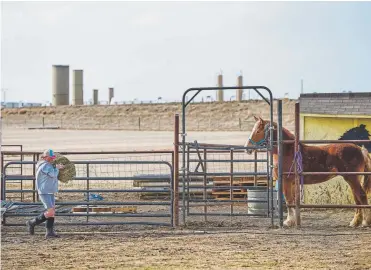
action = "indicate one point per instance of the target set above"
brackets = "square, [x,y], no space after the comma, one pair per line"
[354,224]
[366,224]
[289,223]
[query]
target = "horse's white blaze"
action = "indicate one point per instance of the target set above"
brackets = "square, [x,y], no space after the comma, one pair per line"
[252,132]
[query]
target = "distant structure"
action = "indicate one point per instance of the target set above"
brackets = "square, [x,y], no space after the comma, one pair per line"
[220,96]
[78,87]
[110,95]
[95,97]
[60,85]
[239,91]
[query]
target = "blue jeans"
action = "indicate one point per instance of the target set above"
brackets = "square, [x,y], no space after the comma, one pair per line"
[48,200]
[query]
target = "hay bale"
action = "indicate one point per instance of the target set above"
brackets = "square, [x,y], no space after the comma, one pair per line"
[68,172]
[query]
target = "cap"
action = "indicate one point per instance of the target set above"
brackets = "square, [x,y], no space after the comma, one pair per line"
[49,153]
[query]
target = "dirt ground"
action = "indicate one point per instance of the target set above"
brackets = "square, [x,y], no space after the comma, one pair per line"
[323,242]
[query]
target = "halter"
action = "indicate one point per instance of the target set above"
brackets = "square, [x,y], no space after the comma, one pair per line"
[264,140]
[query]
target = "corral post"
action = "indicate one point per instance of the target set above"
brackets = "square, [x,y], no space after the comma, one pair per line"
[280,160]
[297,176]
[176,172]
[2,178]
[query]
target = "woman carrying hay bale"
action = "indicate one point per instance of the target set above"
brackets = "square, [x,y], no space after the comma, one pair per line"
[50,169]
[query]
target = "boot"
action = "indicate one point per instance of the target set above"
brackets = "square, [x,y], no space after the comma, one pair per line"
[49,225]
[33,222]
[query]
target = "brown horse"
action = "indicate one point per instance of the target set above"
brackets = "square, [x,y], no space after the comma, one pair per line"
[344,157]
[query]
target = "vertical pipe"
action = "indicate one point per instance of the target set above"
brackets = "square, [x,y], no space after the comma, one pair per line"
[34,159]
[2,178]
[231,182]
[188,180]
[255,168]
[176,171]
[205,185]
[280,159]
[87,192]
[297,176]
[183,158]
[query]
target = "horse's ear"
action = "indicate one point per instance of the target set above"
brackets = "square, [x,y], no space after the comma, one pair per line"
[256,118]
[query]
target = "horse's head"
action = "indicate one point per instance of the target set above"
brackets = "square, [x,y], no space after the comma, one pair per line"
[258,134]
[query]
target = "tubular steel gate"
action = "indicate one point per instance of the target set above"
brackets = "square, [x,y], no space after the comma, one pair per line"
[198,162]
[83,191]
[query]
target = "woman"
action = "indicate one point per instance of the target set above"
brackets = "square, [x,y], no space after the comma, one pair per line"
[47,186]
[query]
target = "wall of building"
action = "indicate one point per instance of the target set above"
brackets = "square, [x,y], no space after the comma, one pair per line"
[328,117]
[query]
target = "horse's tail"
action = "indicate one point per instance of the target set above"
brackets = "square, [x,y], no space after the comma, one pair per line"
[367,177]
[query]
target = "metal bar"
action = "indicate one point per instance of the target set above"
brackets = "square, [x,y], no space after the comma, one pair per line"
[205,186]
[329,206]
[231,180]
[176,171]
[34,179]
[280,162]
[81,214]
[256,168]
[93,203]
[188,180]
[326,141]
[297,176]
[189,101]
[224,201]
[227,160]
[121,178]
[88,189]
[332,173]
[263,97]
[228,174]
[199,161]
[227,148]
[101,223]
[228,214]
[165,190]
[92,152]
[2,178]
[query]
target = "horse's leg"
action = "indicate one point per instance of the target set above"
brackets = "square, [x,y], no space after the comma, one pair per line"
[288,191]
[357,190]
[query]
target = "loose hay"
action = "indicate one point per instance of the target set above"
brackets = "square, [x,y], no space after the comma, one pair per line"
[68,172]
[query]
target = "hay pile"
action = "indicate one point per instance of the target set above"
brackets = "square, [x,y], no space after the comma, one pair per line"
[68,172]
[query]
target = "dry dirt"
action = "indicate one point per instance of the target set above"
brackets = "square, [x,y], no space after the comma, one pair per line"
[323,242]
[225,116]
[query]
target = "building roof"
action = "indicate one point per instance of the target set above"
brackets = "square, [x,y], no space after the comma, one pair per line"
[336,103]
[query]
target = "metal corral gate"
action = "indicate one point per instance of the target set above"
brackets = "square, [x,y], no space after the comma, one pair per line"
[161,215]
[203,160]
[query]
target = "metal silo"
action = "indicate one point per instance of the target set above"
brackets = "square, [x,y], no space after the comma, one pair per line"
[61,83]
[220,96]
[78,92]
[95,96]
[110,95]
[239,91]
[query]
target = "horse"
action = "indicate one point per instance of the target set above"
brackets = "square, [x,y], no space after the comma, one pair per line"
[343,157]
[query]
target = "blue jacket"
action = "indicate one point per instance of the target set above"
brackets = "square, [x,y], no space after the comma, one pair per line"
[46,178]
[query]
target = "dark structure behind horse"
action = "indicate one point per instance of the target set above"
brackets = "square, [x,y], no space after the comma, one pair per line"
[358,133]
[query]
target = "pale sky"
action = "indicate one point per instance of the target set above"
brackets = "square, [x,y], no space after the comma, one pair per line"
[150,49]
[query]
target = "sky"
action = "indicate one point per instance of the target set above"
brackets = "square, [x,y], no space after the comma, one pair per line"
[147,50]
